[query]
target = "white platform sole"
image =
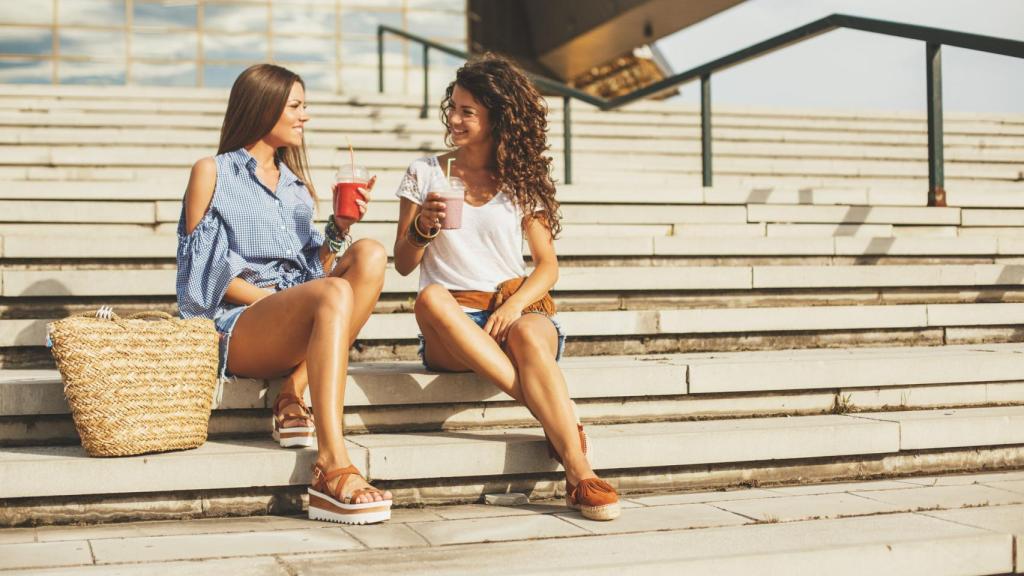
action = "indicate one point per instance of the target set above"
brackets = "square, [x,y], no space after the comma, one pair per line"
[302,441]
[324,508]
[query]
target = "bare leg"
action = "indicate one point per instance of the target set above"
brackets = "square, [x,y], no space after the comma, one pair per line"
[532,343]
[362,265]
[310,322]
[528,372]
[456,344]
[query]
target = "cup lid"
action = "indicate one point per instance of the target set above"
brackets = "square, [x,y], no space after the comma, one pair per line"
[349,171]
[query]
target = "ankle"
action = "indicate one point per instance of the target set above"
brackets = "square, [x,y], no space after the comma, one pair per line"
[329,462]
[576,471]
[289,387]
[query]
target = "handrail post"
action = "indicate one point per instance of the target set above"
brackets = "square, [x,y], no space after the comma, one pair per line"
[936,172]
[567,135]
[380,59]
[705,128]
[426,81]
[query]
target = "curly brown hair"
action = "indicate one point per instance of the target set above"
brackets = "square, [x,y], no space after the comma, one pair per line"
[519,125]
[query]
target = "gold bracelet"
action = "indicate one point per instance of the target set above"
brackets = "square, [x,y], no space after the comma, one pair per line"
[413,237]
[428,236]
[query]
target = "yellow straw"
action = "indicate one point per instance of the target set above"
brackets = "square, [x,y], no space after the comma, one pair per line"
[450,160]
[351,155]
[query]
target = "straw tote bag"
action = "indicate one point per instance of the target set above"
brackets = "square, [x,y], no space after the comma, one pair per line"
[140,384]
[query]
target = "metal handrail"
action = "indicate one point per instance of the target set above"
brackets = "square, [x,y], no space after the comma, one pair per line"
[934,38]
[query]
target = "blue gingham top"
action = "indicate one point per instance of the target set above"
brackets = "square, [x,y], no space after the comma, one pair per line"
[250,232]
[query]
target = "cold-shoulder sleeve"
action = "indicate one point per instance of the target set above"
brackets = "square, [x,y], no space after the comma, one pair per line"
[206,265]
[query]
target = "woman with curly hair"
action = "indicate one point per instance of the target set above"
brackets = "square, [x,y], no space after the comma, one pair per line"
[475,309]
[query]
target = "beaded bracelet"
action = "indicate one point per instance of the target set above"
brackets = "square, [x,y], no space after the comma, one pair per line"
[336,241]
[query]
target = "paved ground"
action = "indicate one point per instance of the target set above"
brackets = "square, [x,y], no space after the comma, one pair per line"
[965,524]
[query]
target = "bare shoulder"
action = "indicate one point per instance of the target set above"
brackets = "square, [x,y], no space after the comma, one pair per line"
[205,169]
[199,194]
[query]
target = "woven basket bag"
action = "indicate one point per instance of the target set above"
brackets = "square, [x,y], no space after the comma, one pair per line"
[136,385]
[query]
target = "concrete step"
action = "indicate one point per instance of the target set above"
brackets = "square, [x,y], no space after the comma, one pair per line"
[397,327]
[971,374]
[129,281]
[385,209]
[150,241]
[170,95]
[843,219]
[321,140]
[583,161]
[172,189]
[635,114]
[684,178]
[408,463]
[73,128]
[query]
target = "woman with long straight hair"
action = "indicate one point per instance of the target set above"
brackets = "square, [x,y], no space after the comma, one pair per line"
[286,298]
[475,309]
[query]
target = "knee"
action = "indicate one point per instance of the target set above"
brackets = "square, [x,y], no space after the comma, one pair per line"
[335,295]
[369,256]
[523,340]
[431,298]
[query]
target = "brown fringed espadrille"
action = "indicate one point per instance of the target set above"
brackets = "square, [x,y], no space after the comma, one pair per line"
[594,498]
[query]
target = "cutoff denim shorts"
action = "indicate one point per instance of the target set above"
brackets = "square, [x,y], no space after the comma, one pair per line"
[225,324]
[480,318]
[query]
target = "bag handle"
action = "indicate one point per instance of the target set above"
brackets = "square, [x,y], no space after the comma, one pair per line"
[151,314]
[107,313]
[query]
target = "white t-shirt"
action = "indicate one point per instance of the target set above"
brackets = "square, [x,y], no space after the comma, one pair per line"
[484,252]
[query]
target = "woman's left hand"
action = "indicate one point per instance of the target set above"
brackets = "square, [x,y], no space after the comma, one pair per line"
[501,320]
[344,224]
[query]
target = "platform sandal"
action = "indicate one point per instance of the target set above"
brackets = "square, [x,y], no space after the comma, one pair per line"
[334,506]
[293,430]
[594,498]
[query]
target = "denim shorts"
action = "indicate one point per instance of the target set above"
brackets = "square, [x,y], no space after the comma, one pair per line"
[480,318]
[225,323]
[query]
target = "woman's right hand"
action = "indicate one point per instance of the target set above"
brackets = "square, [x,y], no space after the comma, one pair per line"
[431,213]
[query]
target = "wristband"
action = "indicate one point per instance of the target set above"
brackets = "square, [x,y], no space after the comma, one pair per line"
[336,241]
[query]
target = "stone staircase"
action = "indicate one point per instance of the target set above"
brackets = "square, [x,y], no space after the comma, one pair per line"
[806,319]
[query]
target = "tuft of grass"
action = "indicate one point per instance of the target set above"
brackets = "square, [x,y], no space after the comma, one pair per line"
[843,404]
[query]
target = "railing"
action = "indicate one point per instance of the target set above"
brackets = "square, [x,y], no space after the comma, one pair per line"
[934,38]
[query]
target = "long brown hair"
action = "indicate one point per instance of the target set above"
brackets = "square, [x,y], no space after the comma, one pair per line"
[519,126]
[258,98]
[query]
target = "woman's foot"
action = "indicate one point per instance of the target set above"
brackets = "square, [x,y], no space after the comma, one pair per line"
[584,491]
[594,498]
[342,495]
[293,422]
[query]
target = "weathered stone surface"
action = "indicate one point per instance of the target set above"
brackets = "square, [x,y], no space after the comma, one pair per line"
[46,554]
[495,529]
[165,548]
